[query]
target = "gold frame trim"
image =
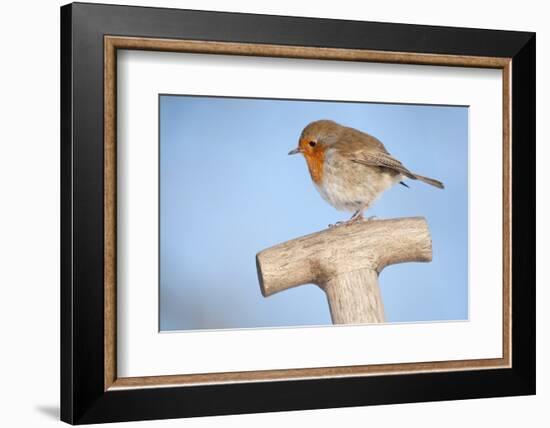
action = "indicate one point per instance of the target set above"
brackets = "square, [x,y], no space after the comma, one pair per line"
[112,43]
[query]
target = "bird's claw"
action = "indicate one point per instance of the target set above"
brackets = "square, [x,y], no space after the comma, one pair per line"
[351,221]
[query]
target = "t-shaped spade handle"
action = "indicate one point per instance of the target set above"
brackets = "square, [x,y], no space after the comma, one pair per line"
[345,262]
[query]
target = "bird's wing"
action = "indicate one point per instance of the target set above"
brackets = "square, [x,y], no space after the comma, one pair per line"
[381,159]
[366,149]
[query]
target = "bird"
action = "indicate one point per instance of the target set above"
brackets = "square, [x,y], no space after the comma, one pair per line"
[350,168]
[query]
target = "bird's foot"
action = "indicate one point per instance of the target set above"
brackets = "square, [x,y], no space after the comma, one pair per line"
[337,224]
[356,218]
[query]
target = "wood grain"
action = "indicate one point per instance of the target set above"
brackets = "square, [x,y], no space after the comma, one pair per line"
[355,298]
[308,373]
[110,223]
[507,213]
[303,52]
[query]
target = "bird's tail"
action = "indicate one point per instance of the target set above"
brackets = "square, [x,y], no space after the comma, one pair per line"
[428,180]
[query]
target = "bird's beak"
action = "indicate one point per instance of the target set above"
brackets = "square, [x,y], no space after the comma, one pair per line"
[295,151]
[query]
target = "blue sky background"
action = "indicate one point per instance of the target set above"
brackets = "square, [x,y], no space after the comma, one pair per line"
[228,189]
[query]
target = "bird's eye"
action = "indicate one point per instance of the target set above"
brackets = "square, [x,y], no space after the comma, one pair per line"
[312,143]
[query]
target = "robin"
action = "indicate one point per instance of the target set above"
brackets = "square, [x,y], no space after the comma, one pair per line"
[350,168]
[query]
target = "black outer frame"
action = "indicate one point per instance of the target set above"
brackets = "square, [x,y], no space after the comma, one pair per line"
[83,399]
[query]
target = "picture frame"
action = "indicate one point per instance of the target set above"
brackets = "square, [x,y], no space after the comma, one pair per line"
[91,390]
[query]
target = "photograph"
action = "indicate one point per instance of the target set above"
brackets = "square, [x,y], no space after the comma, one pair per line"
[241,175]
[265,212]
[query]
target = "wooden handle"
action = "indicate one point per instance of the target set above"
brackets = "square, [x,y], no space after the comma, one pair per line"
[355,298]
[345,262]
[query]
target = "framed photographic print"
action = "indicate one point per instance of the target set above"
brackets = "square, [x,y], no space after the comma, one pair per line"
[388,259]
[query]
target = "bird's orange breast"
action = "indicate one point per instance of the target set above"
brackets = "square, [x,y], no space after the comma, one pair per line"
[315,163]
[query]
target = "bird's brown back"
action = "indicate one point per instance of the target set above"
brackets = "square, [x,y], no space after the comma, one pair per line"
[353,141]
